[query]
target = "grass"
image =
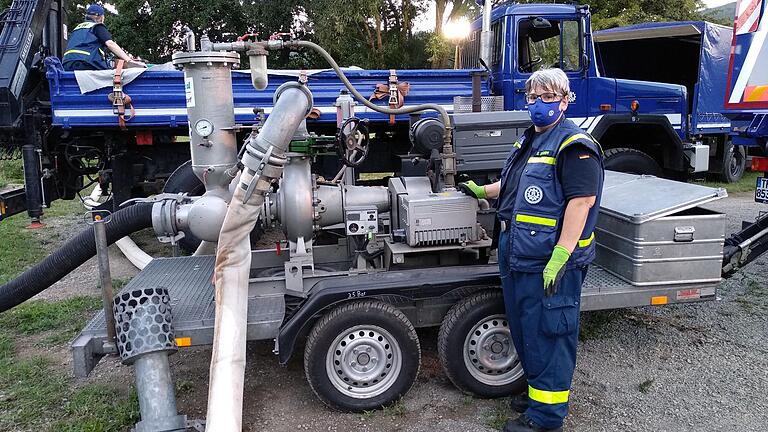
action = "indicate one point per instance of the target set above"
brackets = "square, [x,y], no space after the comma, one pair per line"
[498,416]
[746,184]
[21,247]
[35,394]
[594,324]
[645,386]
[34,317]
[11,172]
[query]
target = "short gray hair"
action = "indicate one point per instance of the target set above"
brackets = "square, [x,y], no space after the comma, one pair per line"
[553,79]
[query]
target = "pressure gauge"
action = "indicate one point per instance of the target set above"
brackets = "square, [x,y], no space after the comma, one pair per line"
[204,128]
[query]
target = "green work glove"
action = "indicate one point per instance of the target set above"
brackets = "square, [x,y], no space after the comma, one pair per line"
[472,189]
[555,269]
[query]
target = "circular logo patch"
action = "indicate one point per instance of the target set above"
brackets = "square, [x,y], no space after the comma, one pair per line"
[533,194]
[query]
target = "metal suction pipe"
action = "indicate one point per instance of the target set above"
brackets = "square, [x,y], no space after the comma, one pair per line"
[263,157]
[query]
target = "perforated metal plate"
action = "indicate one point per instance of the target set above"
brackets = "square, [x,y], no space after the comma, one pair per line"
[188,280]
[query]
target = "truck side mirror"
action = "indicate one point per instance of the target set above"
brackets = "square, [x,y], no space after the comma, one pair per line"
[540,23]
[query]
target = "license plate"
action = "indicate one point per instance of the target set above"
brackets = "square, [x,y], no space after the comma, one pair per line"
[761,190]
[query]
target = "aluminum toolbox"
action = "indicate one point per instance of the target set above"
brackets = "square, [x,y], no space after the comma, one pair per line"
[651,231]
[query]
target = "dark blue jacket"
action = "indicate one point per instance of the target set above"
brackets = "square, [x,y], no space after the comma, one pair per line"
[84,46]
[540,203]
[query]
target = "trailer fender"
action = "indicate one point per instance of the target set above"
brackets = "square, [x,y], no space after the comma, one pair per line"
[652,134]
[388,286]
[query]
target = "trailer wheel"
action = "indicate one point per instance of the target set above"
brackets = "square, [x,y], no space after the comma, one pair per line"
[476,349]
[631,161]
[734,163]
[361,356]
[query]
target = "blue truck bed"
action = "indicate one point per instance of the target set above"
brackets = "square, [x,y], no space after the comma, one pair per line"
[692,53]
[158,96]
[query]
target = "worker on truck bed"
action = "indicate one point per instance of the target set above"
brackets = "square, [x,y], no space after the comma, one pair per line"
[88,44]
[548,202]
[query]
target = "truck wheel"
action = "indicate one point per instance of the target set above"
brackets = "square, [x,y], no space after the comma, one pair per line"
[361,356]
[476,349]
[631,161]
[734,163]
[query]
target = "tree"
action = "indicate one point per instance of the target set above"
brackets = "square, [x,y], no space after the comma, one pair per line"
[368,33]
[154,30]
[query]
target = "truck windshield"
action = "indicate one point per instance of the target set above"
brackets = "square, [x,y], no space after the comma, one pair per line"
[555,46]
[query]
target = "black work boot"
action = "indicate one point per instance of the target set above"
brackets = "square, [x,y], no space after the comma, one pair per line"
[525,424]
[519,403]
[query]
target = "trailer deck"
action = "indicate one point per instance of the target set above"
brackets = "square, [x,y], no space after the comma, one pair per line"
[188,280]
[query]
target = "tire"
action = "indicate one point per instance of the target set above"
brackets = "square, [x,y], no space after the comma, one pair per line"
[734,163]
[362,331]
[183,179]
[631,161]
[480,321]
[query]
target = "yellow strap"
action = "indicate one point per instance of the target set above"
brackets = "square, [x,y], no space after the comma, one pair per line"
[587,241]
[548,397]
[536,220]
[77,51]
[573,138]
[542,159]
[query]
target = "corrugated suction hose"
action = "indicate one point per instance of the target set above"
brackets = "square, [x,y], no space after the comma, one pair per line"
[71,255]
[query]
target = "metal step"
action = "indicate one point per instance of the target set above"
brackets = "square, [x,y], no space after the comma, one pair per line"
[188,280]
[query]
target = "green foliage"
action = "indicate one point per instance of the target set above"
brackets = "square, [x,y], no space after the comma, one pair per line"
[11,172]
[154,30]
[19,248]
[96,409]
[616,13]
[38,316]
[746,184]
[30,388]
[35,395]
[372,34]
[6,347]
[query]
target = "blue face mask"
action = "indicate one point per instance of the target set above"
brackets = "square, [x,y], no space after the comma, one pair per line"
[544,114]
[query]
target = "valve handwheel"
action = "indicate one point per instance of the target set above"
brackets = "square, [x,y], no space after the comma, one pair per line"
[353,141]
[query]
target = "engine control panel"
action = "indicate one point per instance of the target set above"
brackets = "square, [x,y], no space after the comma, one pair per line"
[361,220]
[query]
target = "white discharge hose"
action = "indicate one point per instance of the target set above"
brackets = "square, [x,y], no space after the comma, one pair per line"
[233,264]
[233,256]
[127,246]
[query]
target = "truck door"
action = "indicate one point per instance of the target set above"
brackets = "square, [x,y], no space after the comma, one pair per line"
[552,42]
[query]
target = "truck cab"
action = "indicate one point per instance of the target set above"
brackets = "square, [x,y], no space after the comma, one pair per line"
[641,125]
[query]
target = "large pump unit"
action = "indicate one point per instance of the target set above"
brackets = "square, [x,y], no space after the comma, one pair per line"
[357,265]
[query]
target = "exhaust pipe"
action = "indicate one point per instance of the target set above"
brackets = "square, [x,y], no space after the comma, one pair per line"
[486,36]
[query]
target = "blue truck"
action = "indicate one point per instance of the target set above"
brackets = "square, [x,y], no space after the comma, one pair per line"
[654,115]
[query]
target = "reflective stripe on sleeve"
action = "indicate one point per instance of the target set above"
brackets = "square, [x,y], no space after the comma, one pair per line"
[77,51]
[536,220]
[587,241]
[542,159]
[85,25]
[517,144]
[548,397]
[573,138]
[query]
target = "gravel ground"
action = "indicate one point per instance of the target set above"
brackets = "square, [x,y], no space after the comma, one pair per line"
[695,367]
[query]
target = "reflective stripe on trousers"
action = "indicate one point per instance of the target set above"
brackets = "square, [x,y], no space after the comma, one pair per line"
[545,334]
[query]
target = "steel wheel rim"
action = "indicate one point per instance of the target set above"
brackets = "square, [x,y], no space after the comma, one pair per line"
[489,354]
[363,361]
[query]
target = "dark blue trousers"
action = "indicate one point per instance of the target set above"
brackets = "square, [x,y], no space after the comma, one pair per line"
[545,332]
